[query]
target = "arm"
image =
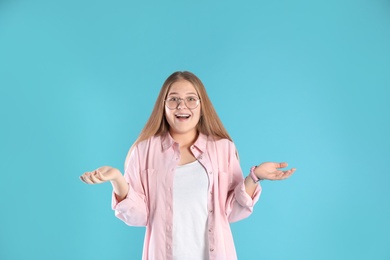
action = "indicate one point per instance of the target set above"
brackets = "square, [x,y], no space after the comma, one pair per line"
[107,173]
[250,186]
[128,199]
[243,193]
[267,171]
[120,187]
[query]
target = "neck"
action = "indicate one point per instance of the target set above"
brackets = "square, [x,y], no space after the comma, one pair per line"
[185,140]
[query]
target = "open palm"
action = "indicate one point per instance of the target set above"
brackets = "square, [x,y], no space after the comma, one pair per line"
[100,175]
[271,171]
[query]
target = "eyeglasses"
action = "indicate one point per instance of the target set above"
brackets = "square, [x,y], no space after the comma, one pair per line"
[190,102]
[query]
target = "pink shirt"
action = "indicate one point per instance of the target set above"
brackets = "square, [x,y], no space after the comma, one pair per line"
[150,170]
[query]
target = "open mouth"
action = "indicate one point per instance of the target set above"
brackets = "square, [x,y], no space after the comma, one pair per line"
[182,116]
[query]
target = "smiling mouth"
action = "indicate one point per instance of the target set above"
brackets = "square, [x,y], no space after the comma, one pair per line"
[182,116]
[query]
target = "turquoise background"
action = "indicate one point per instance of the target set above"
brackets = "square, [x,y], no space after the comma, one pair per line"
[307,82]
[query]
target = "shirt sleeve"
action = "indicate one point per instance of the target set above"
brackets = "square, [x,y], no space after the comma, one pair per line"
[239,204]
[133,209]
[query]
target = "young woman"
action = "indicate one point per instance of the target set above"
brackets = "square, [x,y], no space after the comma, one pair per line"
[182,178]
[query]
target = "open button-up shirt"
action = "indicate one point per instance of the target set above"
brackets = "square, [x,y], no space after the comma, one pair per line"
[150,170]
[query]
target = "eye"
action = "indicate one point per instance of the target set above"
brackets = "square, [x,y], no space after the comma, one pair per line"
[173,99]
[192,99]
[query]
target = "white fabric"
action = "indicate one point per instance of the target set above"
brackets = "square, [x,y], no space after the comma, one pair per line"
[190,188]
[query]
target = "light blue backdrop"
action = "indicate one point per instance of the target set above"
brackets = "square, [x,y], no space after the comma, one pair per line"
[306,82]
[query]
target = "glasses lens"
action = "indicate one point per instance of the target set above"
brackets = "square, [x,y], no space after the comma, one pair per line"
[171,103]
[192,102]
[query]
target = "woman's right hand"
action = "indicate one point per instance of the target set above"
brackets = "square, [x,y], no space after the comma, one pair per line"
[100,175]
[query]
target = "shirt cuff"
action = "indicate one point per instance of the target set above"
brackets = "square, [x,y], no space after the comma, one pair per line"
[243,198]
[116,205]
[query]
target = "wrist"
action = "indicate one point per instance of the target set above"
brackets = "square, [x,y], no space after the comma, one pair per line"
[117,176]
[253,176]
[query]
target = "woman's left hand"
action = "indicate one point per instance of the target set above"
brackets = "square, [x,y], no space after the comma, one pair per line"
[270,171]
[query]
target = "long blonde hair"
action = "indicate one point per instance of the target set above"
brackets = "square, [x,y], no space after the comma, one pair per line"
[209,122]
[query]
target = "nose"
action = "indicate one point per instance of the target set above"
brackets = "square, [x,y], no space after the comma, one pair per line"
[180,104]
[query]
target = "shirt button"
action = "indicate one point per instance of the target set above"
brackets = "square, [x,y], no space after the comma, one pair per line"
[210,211]
[210,230]
[211,249]
[211,172]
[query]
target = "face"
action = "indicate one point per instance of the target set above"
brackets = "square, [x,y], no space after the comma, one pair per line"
[182,120]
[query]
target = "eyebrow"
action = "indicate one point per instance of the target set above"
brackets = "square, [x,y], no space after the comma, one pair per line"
[190,93]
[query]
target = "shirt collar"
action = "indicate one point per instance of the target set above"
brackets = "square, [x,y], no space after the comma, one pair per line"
[167,142]
[201,142]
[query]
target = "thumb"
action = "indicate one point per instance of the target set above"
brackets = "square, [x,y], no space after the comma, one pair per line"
[281,165]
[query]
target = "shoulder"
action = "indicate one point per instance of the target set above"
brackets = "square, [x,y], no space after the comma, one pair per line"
[222,142]
[223,148]
[151,142]
[143,146]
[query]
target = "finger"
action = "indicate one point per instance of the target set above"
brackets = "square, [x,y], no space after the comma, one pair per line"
[288,173]
[94,179]
[281,165]
[86,178]
[82,178]
[280,174]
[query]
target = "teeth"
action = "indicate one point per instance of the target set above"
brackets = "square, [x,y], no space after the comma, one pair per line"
[186,116]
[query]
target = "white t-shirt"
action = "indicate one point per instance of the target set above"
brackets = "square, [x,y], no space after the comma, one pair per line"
[190,187]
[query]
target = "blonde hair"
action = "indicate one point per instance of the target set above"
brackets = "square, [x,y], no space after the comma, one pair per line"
[209,122]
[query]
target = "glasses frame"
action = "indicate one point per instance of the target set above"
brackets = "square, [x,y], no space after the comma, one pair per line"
[179,101]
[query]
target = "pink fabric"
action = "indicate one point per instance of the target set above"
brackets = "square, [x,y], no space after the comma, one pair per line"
[150,171]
